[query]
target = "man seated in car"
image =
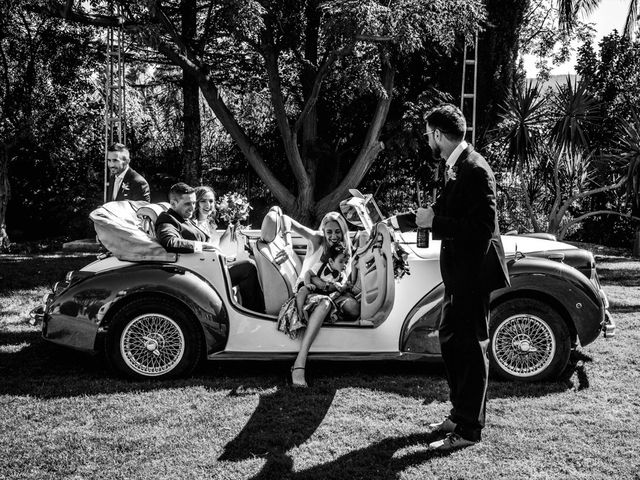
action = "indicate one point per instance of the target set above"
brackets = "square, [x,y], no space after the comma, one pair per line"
[178,233]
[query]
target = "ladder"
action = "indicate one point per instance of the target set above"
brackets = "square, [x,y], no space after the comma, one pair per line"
[470,84]
[467,100]
[115,107]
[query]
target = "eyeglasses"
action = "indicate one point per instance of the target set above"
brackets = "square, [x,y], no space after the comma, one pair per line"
[430,131]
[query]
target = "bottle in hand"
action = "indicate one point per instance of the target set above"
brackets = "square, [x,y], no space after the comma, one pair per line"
[422,239]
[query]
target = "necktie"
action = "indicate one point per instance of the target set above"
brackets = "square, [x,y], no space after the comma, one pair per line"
[116,186]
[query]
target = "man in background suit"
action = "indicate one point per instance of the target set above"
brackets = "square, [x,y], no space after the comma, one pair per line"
[472,264]
[124,182]
[177,233]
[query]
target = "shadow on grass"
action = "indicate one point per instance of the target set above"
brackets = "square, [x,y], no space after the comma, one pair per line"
[377,461]
[31,366]
[284,418]
[33,271]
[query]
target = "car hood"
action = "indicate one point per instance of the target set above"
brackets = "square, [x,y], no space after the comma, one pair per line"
[525,245]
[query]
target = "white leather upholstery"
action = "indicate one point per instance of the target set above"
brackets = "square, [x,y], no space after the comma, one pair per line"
[278,266]
[148,215]
[375,276]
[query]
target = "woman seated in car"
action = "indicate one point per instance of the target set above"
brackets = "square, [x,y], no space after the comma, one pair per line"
[333,231]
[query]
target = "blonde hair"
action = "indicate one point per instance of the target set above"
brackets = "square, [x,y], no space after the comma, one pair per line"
[342,223]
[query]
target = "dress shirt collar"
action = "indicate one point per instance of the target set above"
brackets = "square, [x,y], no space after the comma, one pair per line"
[453,158]
[120,177]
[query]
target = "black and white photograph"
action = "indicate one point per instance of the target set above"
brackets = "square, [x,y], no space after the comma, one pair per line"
[319,239]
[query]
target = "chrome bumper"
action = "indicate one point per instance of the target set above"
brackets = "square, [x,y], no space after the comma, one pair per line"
[608,327]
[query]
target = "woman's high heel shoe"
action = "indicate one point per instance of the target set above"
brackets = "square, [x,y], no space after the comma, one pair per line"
[293,383]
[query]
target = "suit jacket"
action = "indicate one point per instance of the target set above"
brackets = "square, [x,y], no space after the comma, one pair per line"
[133,187]
[176,234]
[466,220]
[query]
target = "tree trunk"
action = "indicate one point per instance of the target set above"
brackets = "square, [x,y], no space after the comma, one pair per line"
[192,141]
[5,194]
[636,243]
[497,58]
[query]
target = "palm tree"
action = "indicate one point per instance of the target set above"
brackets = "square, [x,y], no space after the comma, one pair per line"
[547,137]
[570,8]
[521,131]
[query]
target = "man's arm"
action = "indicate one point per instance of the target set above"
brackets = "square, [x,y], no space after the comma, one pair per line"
[169,237]
[141,188]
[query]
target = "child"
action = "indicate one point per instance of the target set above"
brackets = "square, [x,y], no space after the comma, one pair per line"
[329,279]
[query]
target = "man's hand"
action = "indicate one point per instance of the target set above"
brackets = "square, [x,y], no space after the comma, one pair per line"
[209,247]
[424,217]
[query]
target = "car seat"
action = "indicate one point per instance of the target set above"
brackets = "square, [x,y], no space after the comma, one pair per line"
[278,266]
[148,216]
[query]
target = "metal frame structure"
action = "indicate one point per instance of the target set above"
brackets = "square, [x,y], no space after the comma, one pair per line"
[115,105]
[470,58]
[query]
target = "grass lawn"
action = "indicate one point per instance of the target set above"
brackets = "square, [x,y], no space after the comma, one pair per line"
[63,415]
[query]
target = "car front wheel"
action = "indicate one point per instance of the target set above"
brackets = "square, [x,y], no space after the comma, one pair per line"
[153,338]
[529,340]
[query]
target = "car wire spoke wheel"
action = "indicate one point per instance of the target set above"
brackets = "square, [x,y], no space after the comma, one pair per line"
[152,344]
[524,345]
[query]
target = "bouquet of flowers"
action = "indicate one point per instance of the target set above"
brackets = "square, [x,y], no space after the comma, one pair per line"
[233,208]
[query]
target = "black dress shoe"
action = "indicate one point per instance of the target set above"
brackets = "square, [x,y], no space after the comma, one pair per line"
[445,426]
[452,441]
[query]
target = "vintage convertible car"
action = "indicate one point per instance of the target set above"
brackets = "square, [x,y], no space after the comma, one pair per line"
[156,314]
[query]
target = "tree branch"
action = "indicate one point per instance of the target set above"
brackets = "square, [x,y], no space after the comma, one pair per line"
[374,38]
[567,203]
[226,117]
[282,120]
[371,145]
[581,218]
[317,84]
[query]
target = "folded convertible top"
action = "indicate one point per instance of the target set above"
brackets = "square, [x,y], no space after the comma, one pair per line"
[120,230]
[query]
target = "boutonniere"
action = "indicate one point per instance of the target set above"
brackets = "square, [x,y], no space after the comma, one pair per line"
[452,172]
[124,187]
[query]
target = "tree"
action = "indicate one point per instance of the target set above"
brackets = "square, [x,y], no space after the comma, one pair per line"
[45,103]
[614,76]
[292,50]
[547,137]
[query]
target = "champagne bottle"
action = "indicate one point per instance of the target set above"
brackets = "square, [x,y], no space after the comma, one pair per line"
[422,236]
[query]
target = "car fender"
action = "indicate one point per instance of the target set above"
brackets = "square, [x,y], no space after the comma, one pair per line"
[560,285]
[579,303]
[83,312]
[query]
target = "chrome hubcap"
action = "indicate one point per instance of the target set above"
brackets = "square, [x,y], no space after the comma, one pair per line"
[152,344]
[524,345]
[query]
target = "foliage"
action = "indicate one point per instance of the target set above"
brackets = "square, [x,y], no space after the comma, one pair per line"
[544,140]
[541,36]
[49,130]
[293,62]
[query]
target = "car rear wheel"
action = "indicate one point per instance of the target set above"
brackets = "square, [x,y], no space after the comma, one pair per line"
[529,340]
[153,338]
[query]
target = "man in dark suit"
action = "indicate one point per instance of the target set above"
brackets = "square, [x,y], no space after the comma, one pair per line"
[177,233]
[124,182]
[472,264]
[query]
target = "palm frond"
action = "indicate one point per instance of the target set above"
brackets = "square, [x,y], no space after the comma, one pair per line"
[568,11]
[576,109]
[632,19]
[523,116]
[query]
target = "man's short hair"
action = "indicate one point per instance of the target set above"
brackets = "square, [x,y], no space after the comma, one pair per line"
[120,148]
[449,119]
[179,189]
